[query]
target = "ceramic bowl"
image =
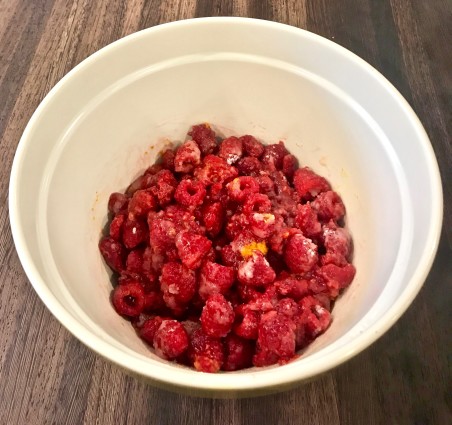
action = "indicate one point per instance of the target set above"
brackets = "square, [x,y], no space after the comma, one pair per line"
[106,120]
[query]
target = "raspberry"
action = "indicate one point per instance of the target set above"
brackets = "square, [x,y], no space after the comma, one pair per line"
[276,339]
[336,278]
[231,150]
[167,159]
[230,257]
[273,156]
[204,136]
[315,318]
[162,234]
[214,170]
[257,202]
[128,299]
[307,221]
[217,316]
[170,340]
[238,353]
[337,243]
[213,217]
[188,156]
[252,146]
[178,284]
[141,203]
[190,193]
[116,227]
[215,279]
[135,232]
[249,325]
[192,248]
[262,225]
[164,187]
[117,203]
[255,270]
[205,352]
[329,206]
[242,187]
[291,286]
[113,252]
[249,166]
[300,254]
[148,329]
[309,184]
[134,262]
[289,165]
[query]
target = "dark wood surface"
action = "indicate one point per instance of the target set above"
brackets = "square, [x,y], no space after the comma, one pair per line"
[48,377]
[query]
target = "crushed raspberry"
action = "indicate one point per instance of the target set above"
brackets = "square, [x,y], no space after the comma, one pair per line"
[217,316]
[226,254]
[128,299]
[170,339]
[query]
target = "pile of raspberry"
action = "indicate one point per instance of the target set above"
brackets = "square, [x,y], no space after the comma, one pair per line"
[227,254]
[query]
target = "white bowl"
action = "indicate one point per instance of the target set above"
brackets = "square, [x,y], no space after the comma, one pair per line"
[104,122]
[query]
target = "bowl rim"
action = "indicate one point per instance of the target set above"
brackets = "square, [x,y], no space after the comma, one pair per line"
[228,381]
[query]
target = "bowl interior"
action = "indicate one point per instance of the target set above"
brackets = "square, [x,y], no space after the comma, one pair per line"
[107,121]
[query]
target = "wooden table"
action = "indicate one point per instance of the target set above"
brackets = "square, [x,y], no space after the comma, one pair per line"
[49,377]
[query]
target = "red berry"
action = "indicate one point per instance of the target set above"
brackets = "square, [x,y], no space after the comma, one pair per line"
[192,248]
[178,284]
[238,353]
[309,184]
[215,279]
[128,299]
[170,340]
[205,352]
[300,254]
[255,270]
[190,193]
[113,252]
[231,150]
[188,156]
[217,316]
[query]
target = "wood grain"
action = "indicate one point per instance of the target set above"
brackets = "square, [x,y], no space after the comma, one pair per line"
[48,377]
